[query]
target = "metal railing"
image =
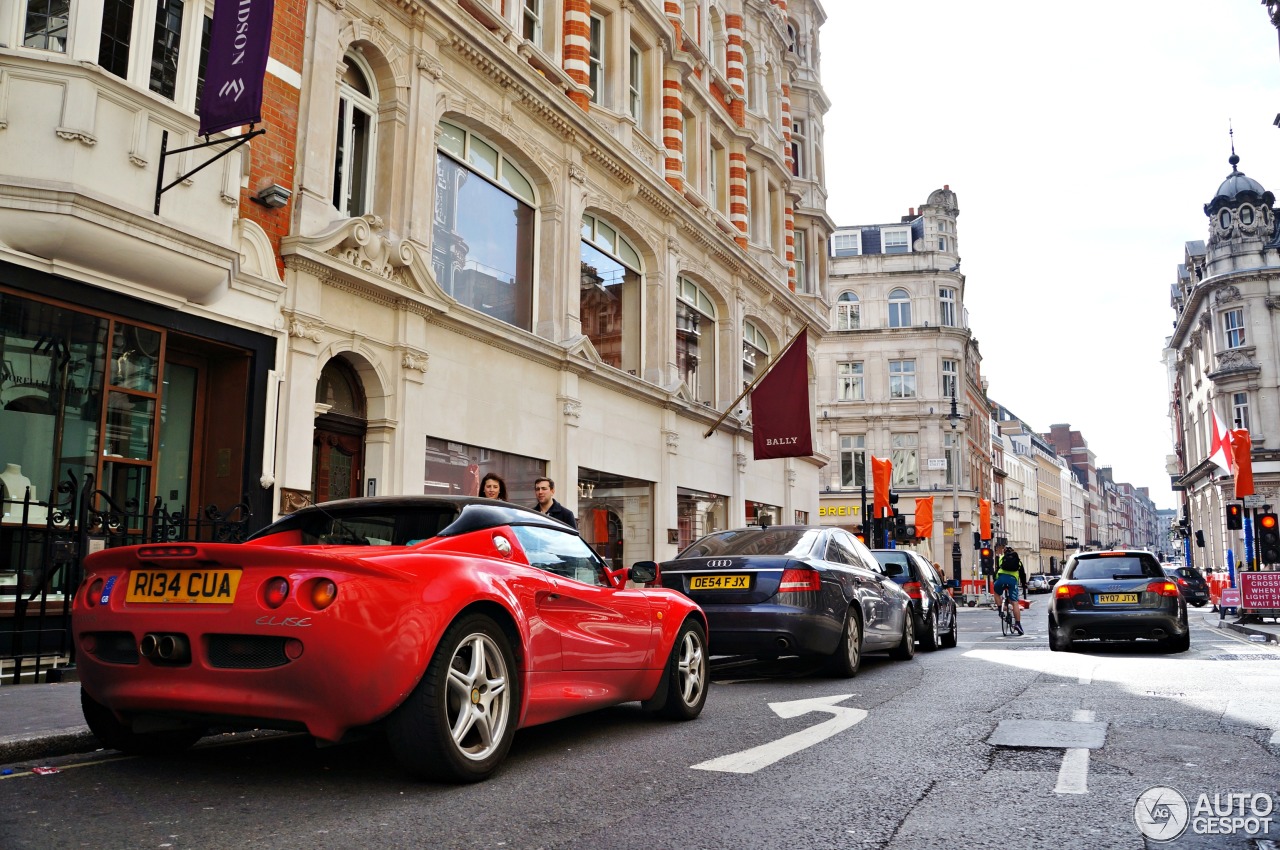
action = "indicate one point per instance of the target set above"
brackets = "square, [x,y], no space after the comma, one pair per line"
[41,565]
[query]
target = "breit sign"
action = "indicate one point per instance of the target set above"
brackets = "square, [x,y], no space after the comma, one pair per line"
[239,45]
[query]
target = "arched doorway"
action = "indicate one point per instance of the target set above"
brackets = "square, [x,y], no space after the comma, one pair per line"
[337,453]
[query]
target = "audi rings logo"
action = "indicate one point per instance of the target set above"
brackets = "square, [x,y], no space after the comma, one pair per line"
[1161,813]
[720,564]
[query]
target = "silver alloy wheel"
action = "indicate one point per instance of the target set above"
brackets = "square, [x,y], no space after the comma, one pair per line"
[853,642]
[477,701]
[933,627]
[691,668]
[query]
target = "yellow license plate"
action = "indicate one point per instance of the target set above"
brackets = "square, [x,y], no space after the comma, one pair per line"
[1117,598]
[211,586]
[738,582]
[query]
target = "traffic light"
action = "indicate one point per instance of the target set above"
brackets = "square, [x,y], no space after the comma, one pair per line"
[1268,539]
[987,560]
[1235,516]
[1200,538]
[900,527]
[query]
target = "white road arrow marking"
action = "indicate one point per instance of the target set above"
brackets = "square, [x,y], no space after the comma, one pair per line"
[749,761]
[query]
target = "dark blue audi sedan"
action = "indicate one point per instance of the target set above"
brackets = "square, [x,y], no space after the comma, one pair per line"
[794,590]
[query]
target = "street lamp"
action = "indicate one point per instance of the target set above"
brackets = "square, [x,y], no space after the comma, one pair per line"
[953,418]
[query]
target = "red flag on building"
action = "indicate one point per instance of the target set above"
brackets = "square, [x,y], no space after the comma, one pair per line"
[1242,453]
[780,415]
[924,516]
[881,476]
[984,518]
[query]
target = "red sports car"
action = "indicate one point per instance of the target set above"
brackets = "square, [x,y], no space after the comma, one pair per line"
[450,621]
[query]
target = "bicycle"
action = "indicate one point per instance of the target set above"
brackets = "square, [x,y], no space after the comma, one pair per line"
[1008,623]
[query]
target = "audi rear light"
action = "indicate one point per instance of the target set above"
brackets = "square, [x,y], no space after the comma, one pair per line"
[913,589]
[1163,588]
[799,581]
[1066,591]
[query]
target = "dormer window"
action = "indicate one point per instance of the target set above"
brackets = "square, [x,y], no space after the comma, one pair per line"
[1246,215]
[897,241]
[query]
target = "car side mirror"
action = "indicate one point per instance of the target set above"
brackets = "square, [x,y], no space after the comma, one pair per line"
[644,572]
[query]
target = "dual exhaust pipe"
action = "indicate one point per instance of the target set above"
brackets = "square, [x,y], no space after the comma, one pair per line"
[165,647]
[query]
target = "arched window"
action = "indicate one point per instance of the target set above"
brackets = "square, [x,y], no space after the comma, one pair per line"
[356,143]
[696,340]
[755,352]
[749,81]
[899,309]
[482,247]
[610,294]
[848,312]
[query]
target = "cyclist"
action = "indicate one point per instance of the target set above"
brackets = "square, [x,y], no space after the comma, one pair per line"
[1011,576]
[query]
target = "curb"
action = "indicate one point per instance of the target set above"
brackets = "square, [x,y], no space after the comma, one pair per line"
[56,742]
[1268,637]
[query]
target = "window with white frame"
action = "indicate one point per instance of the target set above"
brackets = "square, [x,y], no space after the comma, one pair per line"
[165,45]
[754,213]
[906,460]
[798,147]
[755,353]
[950,379]
[942,243]
[531,27]
[849,381]
[635,83]
[853,461]
[482,246]
[696,340]
[1240,410]
[609,293]
[717,42]
[846,244]
[46,25]
[946,306]
[717,184]
[749,71]
[848,312]
[773,217]
[902,379]
[595,67]
[117,30]
[800,245]
[899,309]
[1233,328]
[356,143]
[896,241]
[690,165]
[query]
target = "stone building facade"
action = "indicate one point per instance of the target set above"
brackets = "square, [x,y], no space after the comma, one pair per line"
[540,238]
[900,350]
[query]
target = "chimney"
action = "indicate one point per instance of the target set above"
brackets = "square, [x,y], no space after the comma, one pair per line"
[946,187]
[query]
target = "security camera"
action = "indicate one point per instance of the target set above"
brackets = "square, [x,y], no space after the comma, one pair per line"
[741,412]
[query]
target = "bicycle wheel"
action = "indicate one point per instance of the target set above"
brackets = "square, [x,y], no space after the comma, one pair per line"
[1006,617]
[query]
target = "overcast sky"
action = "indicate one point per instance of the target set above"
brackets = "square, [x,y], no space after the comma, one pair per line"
[1082,141]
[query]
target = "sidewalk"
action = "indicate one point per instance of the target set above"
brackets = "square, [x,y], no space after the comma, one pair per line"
[42,721]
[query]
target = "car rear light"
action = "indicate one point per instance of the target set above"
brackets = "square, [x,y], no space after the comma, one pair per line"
[149,552]
[1066,591]
[1182,582]
[95,593]
[1163,588]
[799,580]
[275,591]
[913,589]
[323,592]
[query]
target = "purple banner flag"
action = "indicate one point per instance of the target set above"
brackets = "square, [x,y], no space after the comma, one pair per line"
[238,48]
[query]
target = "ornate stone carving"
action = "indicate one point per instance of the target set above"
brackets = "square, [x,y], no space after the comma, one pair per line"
[741,459]
[76,136]
[577,174]
[428,65]
[415,360]
[139,161]
[367,247]
[1272,302]
[672,439]
[1226,294]
[303,328]
[291,500]
[1236,359]
[571,409]
[791,478]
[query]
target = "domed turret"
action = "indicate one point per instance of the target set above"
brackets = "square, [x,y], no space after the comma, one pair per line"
[1237,189]
[1240,213]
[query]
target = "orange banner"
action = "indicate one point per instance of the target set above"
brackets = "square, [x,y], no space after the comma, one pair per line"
[881,476]
[924,516]
[984,518]
[1242,454]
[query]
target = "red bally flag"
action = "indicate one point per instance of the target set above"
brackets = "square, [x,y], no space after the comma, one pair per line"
[1242,453]
[780,415]
[881,476]
[924,516]
[984,518]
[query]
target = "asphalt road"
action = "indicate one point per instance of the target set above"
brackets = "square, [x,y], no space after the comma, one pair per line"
[998,743]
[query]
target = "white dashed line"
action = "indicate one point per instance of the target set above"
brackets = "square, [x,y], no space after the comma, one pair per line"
[1073,776]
